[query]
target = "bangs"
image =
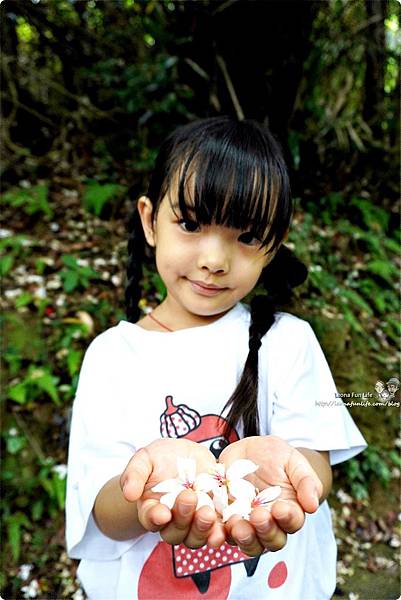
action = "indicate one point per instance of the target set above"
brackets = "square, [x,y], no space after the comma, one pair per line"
[234,177]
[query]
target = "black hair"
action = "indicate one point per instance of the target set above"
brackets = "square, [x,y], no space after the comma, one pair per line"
[227,172]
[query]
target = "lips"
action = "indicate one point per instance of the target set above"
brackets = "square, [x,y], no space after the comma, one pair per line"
[206,289]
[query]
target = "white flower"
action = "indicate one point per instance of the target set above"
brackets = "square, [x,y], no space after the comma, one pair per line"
[24,572]
[78,595]
[60,470]
[224,483]
[31,590]
[244,505]
[186,480]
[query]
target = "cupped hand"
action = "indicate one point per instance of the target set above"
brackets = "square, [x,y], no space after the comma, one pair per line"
[182,523]
[279,465]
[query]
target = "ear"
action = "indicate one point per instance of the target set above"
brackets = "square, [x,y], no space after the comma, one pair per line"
[145,209]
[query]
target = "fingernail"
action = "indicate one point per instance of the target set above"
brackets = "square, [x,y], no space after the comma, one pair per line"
[245,540]
[263,527]
[203,525]
[186,509]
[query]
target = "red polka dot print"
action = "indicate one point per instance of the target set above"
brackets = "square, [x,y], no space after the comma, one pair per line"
[158,581]
[277,575]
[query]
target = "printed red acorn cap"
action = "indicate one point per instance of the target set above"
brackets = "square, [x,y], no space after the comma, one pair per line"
[178,420]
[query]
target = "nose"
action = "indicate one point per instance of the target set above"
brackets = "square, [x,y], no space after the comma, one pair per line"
[214,254]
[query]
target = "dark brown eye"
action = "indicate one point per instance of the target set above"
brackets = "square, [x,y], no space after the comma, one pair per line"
[189,226]
[249,239]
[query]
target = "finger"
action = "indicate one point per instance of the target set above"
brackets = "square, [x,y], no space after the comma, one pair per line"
[183,512]
[202,525]
[308,494]
[305,481]
[244,536]
[135,475]
[152,515]
[288,515]
[270,535]
[217,535]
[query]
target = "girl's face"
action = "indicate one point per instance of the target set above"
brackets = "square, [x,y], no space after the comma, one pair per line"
[206,269]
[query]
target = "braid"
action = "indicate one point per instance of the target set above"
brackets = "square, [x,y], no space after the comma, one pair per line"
[279,278]
[136,254]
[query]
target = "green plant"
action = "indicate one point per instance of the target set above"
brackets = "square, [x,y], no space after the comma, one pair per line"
[99,195]
[76,275]
[38,381]
[32,200]
[373,464]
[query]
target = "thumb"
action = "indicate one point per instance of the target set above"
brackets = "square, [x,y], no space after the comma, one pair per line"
[304,480]
[135,475]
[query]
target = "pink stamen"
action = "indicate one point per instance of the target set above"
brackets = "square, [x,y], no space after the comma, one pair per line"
[220,479]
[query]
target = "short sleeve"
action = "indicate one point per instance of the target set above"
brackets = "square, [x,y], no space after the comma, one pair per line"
[307,411]
[96,453]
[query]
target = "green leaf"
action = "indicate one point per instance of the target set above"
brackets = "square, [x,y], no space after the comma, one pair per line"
[70,280]
[6,262]
[17,392]
[37,510]
[15,444]
[24,299]
[59,486]
[70,261]
[48,383]
[74,358]
[14,524]
[357,300]
[97,195]
[384,269]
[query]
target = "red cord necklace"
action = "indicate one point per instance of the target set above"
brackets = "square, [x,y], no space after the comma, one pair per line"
[159,323]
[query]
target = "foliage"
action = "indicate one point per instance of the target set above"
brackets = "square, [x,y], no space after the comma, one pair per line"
[362,289]
[97,196]
[33,200]
[76,275]
[372,465]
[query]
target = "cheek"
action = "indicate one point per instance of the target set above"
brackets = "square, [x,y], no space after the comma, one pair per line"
[171,257]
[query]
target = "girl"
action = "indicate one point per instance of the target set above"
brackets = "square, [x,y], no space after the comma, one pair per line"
[206,378]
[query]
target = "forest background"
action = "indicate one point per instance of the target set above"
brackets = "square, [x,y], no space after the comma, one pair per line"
[89,89]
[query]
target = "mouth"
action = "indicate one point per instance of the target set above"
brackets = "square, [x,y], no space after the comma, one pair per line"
[206,289]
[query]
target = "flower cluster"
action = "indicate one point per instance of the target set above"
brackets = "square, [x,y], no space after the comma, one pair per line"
[226,491]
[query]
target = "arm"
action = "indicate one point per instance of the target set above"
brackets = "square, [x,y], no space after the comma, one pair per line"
[114,515]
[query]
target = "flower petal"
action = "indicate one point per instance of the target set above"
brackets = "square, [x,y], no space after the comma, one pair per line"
[219,469]
[205,482]
[240,488]
[169,485]
[220,499]
[269,494]
[204,500]
[239,507]
[169,499]
[186,469]
[240,468]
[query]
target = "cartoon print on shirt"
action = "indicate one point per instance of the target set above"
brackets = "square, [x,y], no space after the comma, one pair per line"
[192,572]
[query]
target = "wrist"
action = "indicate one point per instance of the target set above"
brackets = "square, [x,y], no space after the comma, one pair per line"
[115,516]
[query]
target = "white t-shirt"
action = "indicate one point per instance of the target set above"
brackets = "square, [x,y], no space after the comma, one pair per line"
[136,386]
